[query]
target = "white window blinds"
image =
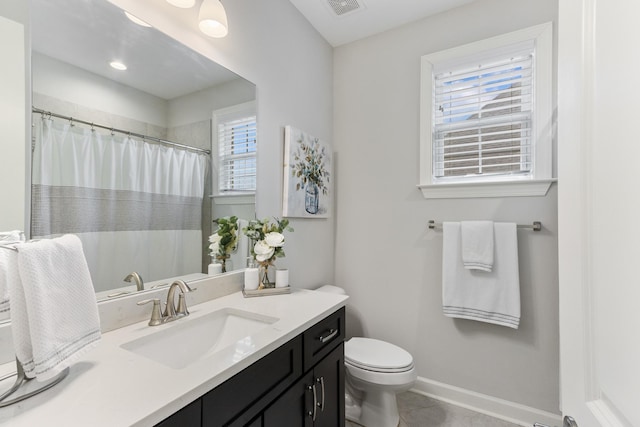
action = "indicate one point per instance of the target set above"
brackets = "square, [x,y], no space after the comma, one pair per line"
[482,118]
[237,154]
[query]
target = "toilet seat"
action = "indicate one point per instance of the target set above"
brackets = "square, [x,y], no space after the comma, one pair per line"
[377,356]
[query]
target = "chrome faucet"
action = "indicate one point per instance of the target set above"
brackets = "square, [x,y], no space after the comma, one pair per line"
[137,279]
[170,311]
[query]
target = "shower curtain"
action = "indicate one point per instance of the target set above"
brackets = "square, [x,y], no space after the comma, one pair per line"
[136,206]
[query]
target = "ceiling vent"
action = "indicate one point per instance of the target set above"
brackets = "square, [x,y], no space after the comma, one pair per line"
[343,7]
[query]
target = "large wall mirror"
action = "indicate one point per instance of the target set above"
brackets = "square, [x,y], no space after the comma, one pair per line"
[168,92]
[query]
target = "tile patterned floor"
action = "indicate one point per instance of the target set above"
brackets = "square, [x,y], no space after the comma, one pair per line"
[421,411]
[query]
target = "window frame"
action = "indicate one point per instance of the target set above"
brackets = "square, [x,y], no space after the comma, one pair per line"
[536,183]
[221,116]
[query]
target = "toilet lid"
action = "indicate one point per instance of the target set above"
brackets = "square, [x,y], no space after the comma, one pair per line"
[376,355]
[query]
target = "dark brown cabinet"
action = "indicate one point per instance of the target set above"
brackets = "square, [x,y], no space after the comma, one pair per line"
[329,380]
[316,400]
[190,415]
[299,384]
[237,401]
[293,407]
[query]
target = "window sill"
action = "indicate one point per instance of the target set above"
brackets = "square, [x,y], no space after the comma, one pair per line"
[234,199]
[486,189]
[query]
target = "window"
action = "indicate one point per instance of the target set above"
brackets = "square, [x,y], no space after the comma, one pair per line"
[486,117]
[236,132]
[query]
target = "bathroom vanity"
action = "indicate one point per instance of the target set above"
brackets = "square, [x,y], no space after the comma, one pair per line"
[300,383]
[288,369]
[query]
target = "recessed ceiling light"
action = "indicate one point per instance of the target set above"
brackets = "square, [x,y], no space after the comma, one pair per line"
[136,19]
[118,65]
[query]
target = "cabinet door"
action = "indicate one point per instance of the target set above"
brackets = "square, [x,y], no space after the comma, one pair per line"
[293,408]
[189,416]
[237,401]
[316,400]
[256,423]
[329,379]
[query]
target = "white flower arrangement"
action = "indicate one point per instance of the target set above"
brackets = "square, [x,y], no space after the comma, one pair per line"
[268,238]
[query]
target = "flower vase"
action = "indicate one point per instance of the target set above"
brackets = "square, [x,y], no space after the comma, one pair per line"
[311,198]
[263,274]
[225,261]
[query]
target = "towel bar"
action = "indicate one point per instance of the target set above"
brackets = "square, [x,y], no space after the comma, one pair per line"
[536,226]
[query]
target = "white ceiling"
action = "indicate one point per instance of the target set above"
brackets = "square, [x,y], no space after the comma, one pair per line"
[89,34]
[373,16]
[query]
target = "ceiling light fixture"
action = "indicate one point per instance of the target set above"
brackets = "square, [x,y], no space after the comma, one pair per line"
[118,65]
[184,4]
[136,20]
[212,19]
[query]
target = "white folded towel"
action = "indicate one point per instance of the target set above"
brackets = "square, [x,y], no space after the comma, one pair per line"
[5,256]
[54,312]
[7,238]
[486,297]
[477,245]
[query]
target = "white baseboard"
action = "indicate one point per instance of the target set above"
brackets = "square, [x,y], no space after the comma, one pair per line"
[498,408]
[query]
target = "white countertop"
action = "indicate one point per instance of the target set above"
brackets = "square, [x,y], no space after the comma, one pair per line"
[114,387]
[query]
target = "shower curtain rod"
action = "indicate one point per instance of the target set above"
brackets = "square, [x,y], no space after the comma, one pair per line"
[143,137]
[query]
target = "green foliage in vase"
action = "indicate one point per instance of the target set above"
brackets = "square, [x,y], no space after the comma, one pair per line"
[309,165]
[225,239]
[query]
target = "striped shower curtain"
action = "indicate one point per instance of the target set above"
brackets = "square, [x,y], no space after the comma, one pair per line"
[136,206]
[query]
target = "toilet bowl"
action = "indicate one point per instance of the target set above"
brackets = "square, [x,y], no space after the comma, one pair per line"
[375,372]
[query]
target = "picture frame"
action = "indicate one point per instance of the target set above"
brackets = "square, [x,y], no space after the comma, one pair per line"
[307,184]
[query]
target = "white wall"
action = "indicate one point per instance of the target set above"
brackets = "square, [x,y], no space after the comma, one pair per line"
[198,106]
[67,82]
[13,87]
[388,260]
[291,65]
[599,205]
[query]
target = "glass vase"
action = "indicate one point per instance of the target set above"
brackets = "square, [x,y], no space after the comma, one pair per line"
[263,274]
[311,198]
[225,261]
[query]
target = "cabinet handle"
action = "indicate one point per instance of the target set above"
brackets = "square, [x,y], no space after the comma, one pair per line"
[325,338]
[321,403]
[312,414]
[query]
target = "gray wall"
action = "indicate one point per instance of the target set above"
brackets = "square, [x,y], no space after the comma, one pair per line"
[388,260]
[291,65]
[384,255]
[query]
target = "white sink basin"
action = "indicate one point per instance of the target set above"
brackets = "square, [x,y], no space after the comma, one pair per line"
[180,343]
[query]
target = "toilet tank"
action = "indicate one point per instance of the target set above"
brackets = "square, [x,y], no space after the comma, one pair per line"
[354,324]
[331,289]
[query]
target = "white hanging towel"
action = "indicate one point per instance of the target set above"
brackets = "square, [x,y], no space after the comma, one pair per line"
[478,295]
[7,238]
[54,311]
[477,245]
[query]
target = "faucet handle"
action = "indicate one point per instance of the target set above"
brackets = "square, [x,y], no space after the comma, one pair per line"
[182,310]
[156,315]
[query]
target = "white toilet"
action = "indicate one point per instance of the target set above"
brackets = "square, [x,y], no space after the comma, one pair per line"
[375,372]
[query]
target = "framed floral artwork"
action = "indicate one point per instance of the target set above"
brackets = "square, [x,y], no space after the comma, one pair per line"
[307,175]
